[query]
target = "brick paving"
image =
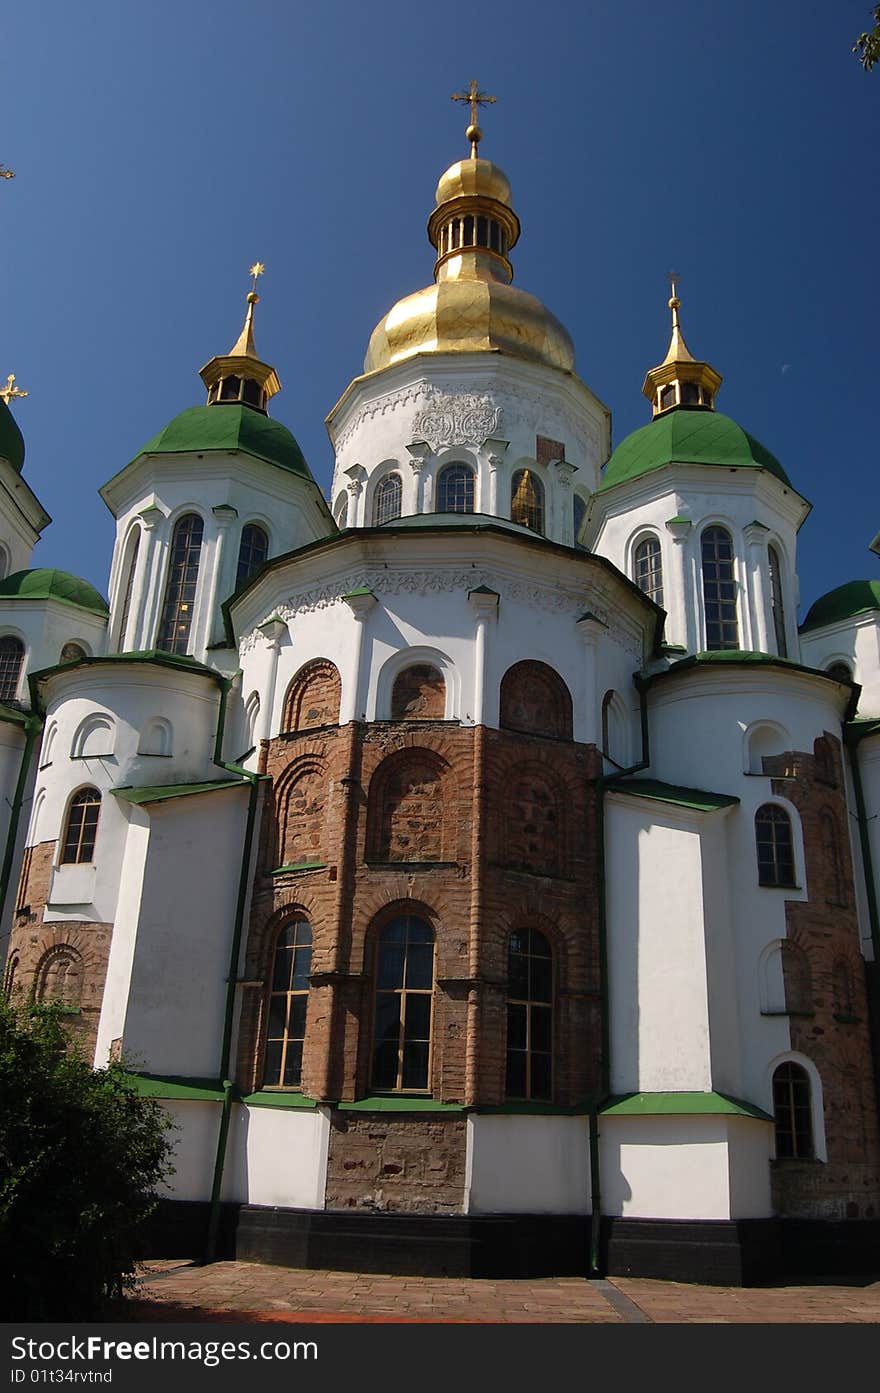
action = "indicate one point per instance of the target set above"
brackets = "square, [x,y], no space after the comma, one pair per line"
[236,1291]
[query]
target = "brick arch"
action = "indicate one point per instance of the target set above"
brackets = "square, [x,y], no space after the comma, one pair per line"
[312,699]
[536,701]
[405,808]
[258,967]
[533,836]
[419,694]
[59,976]
[825,753]
[797,976]
[300,800]
[831,845]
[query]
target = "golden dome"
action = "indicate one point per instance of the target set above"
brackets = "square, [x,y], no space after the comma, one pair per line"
[467,178]
[471,307]
[470,316]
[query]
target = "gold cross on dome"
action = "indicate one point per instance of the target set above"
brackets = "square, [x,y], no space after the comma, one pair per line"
[10,390]
[475,99]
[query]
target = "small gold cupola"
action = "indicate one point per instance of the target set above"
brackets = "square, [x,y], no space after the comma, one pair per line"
[680,380]
[239,375]
[473,226]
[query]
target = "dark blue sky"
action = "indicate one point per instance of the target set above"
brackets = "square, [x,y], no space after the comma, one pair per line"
[161,148]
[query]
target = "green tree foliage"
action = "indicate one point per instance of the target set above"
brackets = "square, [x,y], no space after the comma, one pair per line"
[867,45]
[80,1156]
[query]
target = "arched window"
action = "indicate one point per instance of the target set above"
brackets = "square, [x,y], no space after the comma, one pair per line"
[340,510]
[455,489]
[72,653]
[252,552]
[719,589]
[132,550]
[157,738]
[403,996]
[59,977]
[10,983]
[579,510]
[418,694]
[527,500]
[300,801]
[81,831]
[387,499]
[776,603]
[615,740]
[288,1000]
[774,845]
[648,568]
[792,1112]
[840,672]
[180,587]
[529,1016]
[11,659]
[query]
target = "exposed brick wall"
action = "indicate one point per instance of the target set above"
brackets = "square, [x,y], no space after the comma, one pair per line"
[313,696]
[75,977]
[498,864]
[419,694]
[535,701]
[547,450]
[825,991]
[410,1163]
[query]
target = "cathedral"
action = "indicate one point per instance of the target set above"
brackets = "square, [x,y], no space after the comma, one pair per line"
[480,865]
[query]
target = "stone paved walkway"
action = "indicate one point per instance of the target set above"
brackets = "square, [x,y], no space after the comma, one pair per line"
[236,1291]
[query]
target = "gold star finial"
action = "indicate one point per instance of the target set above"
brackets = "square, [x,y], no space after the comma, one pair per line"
[10,390]
[256,270]
[475,99]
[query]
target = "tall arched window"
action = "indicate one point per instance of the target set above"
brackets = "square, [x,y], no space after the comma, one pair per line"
[288,1000]
[82,827]
[719,589]
[131,559]
[402,1016]
[252,552]
[648,568]
[181,584]
[455,489]
[774,845]
[11,659]
[529,1016]
[776,603]
[579,510]
[792,1112]
[180,587]
[388,499]
[527,500]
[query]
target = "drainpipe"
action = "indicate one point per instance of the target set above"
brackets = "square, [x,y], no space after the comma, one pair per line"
[226,1070]
[852,738]
[600,784]
[32,727]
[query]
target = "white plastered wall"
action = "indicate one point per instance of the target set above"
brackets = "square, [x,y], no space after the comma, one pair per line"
[527,1165]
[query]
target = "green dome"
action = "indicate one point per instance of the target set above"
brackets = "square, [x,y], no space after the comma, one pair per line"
[44,584]
[230,426]
[685,436]
[856,597]
[11,438]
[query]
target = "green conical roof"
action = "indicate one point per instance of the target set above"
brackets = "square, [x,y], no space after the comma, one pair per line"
[47,584]
[856,597]
[688,436]
[230,426]
[11,438]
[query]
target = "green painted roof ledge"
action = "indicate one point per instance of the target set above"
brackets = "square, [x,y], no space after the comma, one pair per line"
[229,426]
[160,793]
[844,602]
[681,1104]
[699,799]
[686,436]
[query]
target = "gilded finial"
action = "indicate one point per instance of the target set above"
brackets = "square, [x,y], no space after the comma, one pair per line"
[673,302]
[256,270]
[6,173]
[10,390]
[475,99]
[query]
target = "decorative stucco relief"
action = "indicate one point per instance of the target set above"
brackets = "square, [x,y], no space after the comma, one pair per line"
[456,419]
